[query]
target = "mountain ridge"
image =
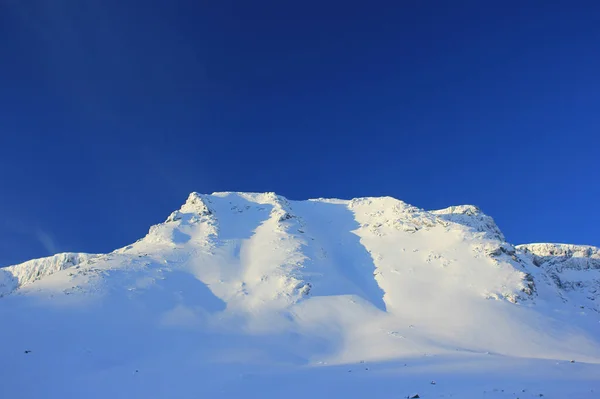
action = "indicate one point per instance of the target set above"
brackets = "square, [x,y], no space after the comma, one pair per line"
[253,281]
[198,205]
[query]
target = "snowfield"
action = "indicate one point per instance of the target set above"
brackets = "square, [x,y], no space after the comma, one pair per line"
[255,296]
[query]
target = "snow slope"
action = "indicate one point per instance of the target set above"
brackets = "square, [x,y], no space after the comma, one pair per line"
[13,277]
[252,294]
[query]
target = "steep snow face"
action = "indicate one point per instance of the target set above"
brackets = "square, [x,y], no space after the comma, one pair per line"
[572,270]
[255,279]
[579,257]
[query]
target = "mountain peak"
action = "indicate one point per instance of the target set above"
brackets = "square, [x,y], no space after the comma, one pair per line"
[255,278]
[196,203]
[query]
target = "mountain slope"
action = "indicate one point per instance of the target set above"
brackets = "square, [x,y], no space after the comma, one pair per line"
[237,280]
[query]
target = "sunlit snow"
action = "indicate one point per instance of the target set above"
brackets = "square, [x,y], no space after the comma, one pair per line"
[247,295]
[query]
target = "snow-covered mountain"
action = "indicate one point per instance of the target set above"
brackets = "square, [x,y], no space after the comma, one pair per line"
[235,290]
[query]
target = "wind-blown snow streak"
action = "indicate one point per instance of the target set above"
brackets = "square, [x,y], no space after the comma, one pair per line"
[248,278]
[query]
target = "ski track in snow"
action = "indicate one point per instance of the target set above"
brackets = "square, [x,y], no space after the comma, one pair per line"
[247,294]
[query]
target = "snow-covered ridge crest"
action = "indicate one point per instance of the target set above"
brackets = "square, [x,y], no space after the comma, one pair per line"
[195,204]
[200,204]
[573,270]
[471,216]
[562,250]
[14,277]
[202,217]
[562,256]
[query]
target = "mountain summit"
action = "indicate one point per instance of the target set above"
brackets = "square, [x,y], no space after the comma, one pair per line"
[249,281]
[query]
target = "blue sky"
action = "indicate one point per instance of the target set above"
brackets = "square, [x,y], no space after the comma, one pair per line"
[111,112]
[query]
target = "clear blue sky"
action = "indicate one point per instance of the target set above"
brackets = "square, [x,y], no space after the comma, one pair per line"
[112,111]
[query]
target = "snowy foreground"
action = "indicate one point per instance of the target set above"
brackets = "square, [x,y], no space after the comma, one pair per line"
[241,295]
